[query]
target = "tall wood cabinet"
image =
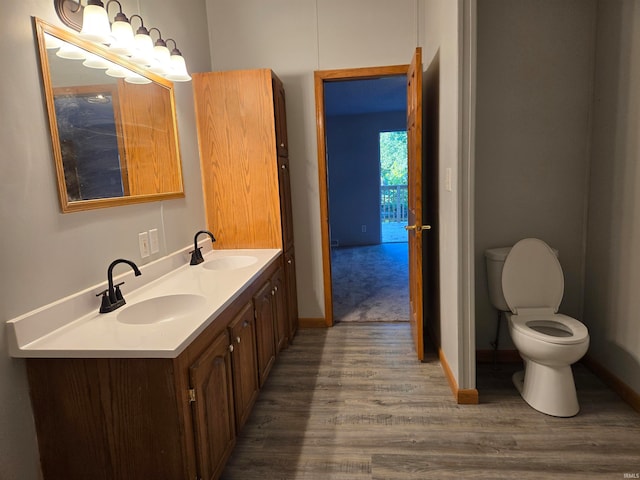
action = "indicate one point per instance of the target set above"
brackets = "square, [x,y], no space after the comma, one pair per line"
[244,155]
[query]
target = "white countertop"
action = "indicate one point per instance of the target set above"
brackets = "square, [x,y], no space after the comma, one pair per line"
[96,335]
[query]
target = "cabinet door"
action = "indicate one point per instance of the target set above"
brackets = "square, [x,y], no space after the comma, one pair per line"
[292,293]
[280,309]
[286,214]
[214,422]
[265,330]
[281,117]
[244,363]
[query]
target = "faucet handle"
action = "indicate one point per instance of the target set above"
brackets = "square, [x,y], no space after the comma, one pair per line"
[105,306]
[118,293]
[196,256]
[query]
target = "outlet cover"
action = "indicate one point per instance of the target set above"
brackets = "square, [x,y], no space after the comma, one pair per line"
[143,241]
[154,243]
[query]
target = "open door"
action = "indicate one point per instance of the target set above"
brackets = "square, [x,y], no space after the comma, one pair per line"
[415,226]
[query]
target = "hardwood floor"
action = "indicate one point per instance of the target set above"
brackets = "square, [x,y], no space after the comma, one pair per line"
[348,403]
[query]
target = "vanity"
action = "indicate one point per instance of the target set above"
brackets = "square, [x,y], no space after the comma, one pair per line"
[160,387]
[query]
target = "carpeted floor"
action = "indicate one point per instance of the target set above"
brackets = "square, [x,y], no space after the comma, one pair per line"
[370,283]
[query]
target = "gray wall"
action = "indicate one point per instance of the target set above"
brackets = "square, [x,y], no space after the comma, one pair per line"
[556,157]
[612,303]
[534,88]
[440,39]
[47,255]
[353,165]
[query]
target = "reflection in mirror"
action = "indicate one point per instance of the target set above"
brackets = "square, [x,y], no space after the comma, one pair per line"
[113,126]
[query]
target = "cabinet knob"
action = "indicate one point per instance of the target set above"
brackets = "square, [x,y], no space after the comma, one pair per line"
[284,167]
[231,348]
[282,145]
[273,292]
[237,339]
[275,288]
[289,261]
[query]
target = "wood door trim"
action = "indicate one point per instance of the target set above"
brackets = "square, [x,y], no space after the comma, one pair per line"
[321,76]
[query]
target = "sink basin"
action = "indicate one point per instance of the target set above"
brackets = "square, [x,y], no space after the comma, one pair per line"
[160,309]
[231,262]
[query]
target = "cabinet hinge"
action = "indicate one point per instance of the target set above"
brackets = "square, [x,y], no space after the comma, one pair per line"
[192,395]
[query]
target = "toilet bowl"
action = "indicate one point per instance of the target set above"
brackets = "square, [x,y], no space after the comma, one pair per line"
[531,286]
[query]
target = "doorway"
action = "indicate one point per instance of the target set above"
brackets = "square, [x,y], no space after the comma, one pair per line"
[422,228]
[356,220]
[365,125]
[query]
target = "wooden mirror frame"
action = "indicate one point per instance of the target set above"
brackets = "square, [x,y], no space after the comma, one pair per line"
[67,205]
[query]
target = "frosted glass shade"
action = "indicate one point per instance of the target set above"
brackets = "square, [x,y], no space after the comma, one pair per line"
[95,24]
[178,70]
[123,41]
[94,61]
[143,53]
[71,52]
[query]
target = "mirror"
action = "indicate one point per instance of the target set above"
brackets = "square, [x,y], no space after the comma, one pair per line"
[113,125]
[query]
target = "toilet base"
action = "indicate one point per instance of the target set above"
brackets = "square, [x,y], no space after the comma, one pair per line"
[550,390]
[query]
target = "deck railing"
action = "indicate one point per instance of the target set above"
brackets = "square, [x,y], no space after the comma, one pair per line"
[393,203]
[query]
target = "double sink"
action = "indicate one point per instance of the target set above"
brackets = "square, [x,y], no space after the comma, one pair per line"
[170,307]
[166,308]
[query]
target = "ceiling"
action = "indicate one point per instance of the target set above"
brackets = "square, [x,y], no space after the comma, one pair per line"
[351,97]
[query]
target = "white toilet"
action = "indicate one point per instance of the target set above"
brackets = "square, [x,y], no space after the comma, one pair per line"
[526,282]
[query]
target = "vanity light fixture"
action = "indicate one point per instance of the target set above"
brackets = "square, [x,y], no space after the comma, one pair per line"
[92,21]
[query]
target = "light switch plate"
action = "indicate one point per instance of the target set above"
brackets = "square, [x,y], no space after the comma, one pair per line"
[154,243]
[447,179]
[143,241]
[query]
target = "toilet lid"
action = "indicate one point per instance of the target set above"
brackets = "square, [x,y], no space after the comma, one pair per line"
[532,276]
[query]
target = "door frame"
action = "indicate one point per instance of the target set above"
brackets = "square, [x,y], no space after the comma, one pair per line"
[320,77]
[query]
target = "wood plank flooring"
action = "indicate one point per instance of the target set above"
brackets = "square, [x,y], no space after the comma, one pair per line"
[351,402]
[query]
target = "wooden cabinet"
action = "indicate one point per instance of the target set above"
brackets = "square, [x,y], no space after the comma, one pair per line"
[280,312]
[265,330]
[244,155]
[160,418]
[244,362]
[291,292]
[212,400]
[279,106]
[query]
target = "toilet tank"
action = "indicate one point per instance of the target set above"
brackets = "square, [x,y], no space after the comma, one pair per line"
[495,258]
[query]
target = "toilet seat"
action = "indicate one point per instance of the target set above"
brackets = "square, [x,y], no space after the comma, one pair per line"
[568,330]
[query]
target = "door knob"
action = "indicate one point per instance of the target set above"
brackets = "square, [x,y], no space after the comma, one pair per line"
[415,227]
